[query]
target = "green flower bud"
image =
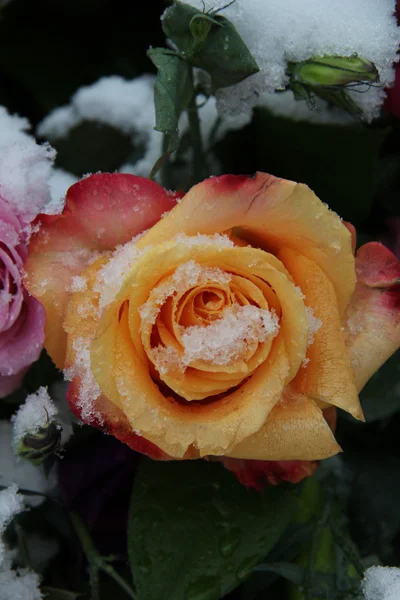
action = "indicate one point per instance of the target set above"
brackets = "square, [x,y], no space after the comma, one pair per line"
[333,71]
[41,444]
[328,77]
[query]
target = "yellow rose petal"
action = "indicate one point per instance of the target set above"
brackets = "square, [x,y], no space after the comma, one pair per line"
[327,376]
[294,430]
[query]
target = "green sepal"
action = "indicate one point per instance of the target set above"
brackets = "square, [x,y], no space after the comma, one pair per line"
[333,71]
[328,77]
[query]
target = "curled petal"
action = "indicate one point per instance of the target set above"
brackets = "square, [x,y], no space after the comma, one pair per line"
[295,430]
[271,213]
[101,212]
[372,320]
[328,376]
[377,266]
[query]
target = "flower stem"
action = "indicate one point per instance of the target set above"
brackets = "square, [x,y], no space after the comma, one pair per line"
[96,562]
[199,170]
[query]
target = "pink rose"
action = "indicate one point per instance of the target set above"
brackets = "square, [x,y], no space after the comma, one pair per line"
[21,316]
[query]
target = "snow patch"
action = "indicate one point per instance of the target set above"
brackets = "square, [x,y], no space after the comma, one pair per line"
[313,325]
[25,167]
[279,32]
[89,389]
[36,412]
[381,583]
[229,338]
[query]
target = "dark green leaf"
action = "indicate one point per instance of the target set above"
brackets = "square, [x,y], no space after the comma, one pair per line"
[381,396]
[196,533]
[323,584]
[374,501]
[212,44]
[173,92]
[338,162]
[176,25]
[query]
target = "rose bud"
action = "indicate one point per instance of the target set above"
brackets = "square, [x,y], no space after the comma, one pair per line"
[36,434]
[37,447]
[328,76]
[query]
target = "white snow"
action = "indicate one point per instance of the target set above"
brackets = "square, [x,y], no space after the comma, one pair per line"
[89,389]
[125,105]
[25,167]
[313,325]
[281,31]
[20,584]
[59,183]
[78,283]
[381,583]
[229,338]
[11,503]
[111,276]
[37,411]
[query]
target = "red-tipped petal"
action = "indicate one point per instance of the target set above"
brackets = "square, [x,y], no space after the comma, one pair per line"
[372,320]
[101,212]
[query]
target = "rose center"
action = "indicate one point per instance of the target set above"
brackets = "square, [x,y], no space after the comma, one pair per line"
[206,330]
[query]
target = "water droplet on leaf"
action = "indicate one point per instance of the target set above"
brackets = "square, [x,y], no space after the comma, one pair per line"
[205,588]
[230,542]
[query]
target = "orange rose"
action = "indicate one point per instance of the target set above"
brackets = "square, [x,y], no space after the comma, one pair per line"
[227,329]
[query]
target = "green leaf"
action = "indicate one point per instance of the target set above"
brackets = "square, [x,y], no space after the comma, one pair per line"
[195,533]
[212,44]
[173,92]
[323,585]
[339,162]
[374,501]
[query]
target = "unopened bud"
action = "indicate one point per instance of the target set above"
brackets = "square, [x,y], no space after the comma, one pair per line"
[40,445]
[329,78]
[333,71]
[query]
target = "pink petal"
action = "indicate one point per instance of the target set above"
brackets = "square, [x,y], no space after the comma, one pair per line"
[21,345]
[10,383]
